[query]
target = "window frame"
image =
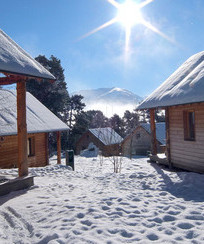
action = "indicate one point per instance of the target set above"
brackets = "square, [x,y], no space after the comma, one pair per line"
[189,125]
[31,146]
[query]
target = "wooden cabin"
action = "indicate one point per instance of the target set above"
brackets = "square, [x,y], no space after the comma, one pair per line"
[17,66]
[182,97]
[40,121]
[105,139]
[139,141]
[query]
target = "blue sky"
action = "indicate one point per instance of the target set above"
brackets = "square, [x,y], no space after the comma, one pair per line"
[54,27]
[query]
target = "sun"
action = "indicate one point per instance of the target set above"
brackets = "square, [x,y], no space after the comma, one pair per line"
[129,14]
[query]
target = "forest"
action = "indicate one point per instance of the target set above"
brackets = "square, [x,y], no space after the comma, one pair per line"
[71,109]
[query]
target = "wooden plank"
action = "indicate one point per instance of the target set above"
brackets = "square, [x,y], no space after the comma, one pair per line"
[153,132]
[168,151]
[22,129]
[46,149]
[58,147]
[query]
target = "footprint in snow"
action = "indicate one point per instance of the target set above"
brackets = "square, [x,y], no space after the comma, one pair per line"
[105,208]
[185,226]
[86,222]
[168,218]
[80,215]
[126,234]
[152,237]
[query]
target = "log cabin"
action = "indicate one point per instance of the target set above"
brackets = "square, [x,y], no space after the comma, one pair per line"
[17,66]
[40,121]
[139,141]
[105,139]
[182,97]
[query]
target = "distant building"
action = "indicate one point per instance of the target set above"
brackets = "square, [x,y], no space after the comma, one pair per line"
[40,121]
[105,139]
[139,141]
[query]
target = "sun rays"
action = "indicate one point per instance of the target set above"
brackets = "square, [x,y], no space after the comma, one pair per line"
[129,15]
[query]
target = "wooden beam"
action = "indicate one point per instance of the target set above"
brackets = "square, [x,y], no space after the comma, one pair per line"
[58,147]
[47,148]
[153,132]
[168,152]
[22,129]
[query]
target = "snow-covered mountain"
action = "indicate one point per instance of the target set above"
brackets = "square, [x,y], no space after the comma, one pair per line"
[110,100]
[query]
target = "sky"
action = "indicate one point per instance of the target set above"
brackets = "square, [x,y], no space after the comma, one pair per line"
[59,28]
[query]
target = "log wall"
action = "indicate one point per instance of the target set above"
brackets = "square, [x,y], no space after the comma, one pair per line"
[9,151]
[88,137]
[134,145]
[187,154]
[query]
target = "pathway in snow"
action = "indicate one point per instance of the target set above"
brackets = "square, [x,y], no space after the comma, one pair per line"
[143,204]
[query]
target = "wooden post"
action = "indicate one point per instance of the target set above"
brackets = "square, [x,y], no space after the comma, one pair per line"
[22,129]
[47,148]
[153,132]
[58,147]
[168,153]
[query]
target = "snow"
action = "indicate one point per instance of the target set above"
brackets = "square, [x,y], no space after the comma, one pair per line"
[143,204]
[106,135]
[90,152]
[39,118]
[13,59]
[185,85]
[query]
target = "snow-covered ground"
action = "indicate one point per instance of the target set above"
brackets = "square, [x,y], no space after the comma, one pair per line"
[143,204]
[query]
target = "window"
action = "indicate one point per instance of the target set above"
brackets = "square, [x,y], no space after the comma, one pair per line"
[189,125]
[31,146]
[138,135]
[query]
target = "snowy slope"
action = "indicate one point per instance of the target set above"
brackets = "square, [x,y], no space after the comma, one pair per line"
[110,100]
[110,95]
[143,204]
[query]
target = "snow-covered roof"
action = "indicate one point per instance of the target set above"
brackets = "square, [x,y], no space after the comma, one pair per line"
[185,85]
[160,131]
[39,118]
[13,59]
[106,135]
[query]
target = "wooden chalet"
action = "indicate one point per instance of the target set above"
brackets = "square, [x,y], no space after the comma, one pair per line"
[139,141]
[182,97]
[17,66]
[40,121]
[105,139]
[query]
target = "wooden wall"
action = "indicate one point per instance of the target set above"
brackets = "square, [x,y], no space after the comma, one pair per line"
[133,145]
[9,151]
[88,137]
[187,154]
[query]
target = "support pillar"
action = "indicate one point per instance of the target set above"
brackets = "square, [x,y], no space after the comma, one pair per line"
[58,147]
[168,153]
[153,132]
[22,129]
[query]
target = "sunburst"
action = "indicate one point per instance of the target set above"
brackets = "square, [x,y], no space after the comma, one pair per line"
[128,14]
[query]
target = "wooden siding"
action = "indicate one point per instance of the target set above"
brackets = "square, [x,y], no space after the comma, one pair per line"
[138,146]
[187,154]
[88,137]
[9,151]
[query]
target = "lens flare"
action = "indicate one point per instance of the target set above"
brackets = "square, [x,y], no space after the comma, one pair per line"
[129,14]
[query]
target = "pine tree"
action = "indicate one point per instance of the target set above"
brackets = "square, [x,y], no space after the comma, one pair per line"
[131,121]
[117,124]
[53,95]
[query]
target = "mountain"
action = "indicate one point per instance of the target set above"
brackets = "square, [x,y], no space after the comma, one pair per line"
[109,100]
